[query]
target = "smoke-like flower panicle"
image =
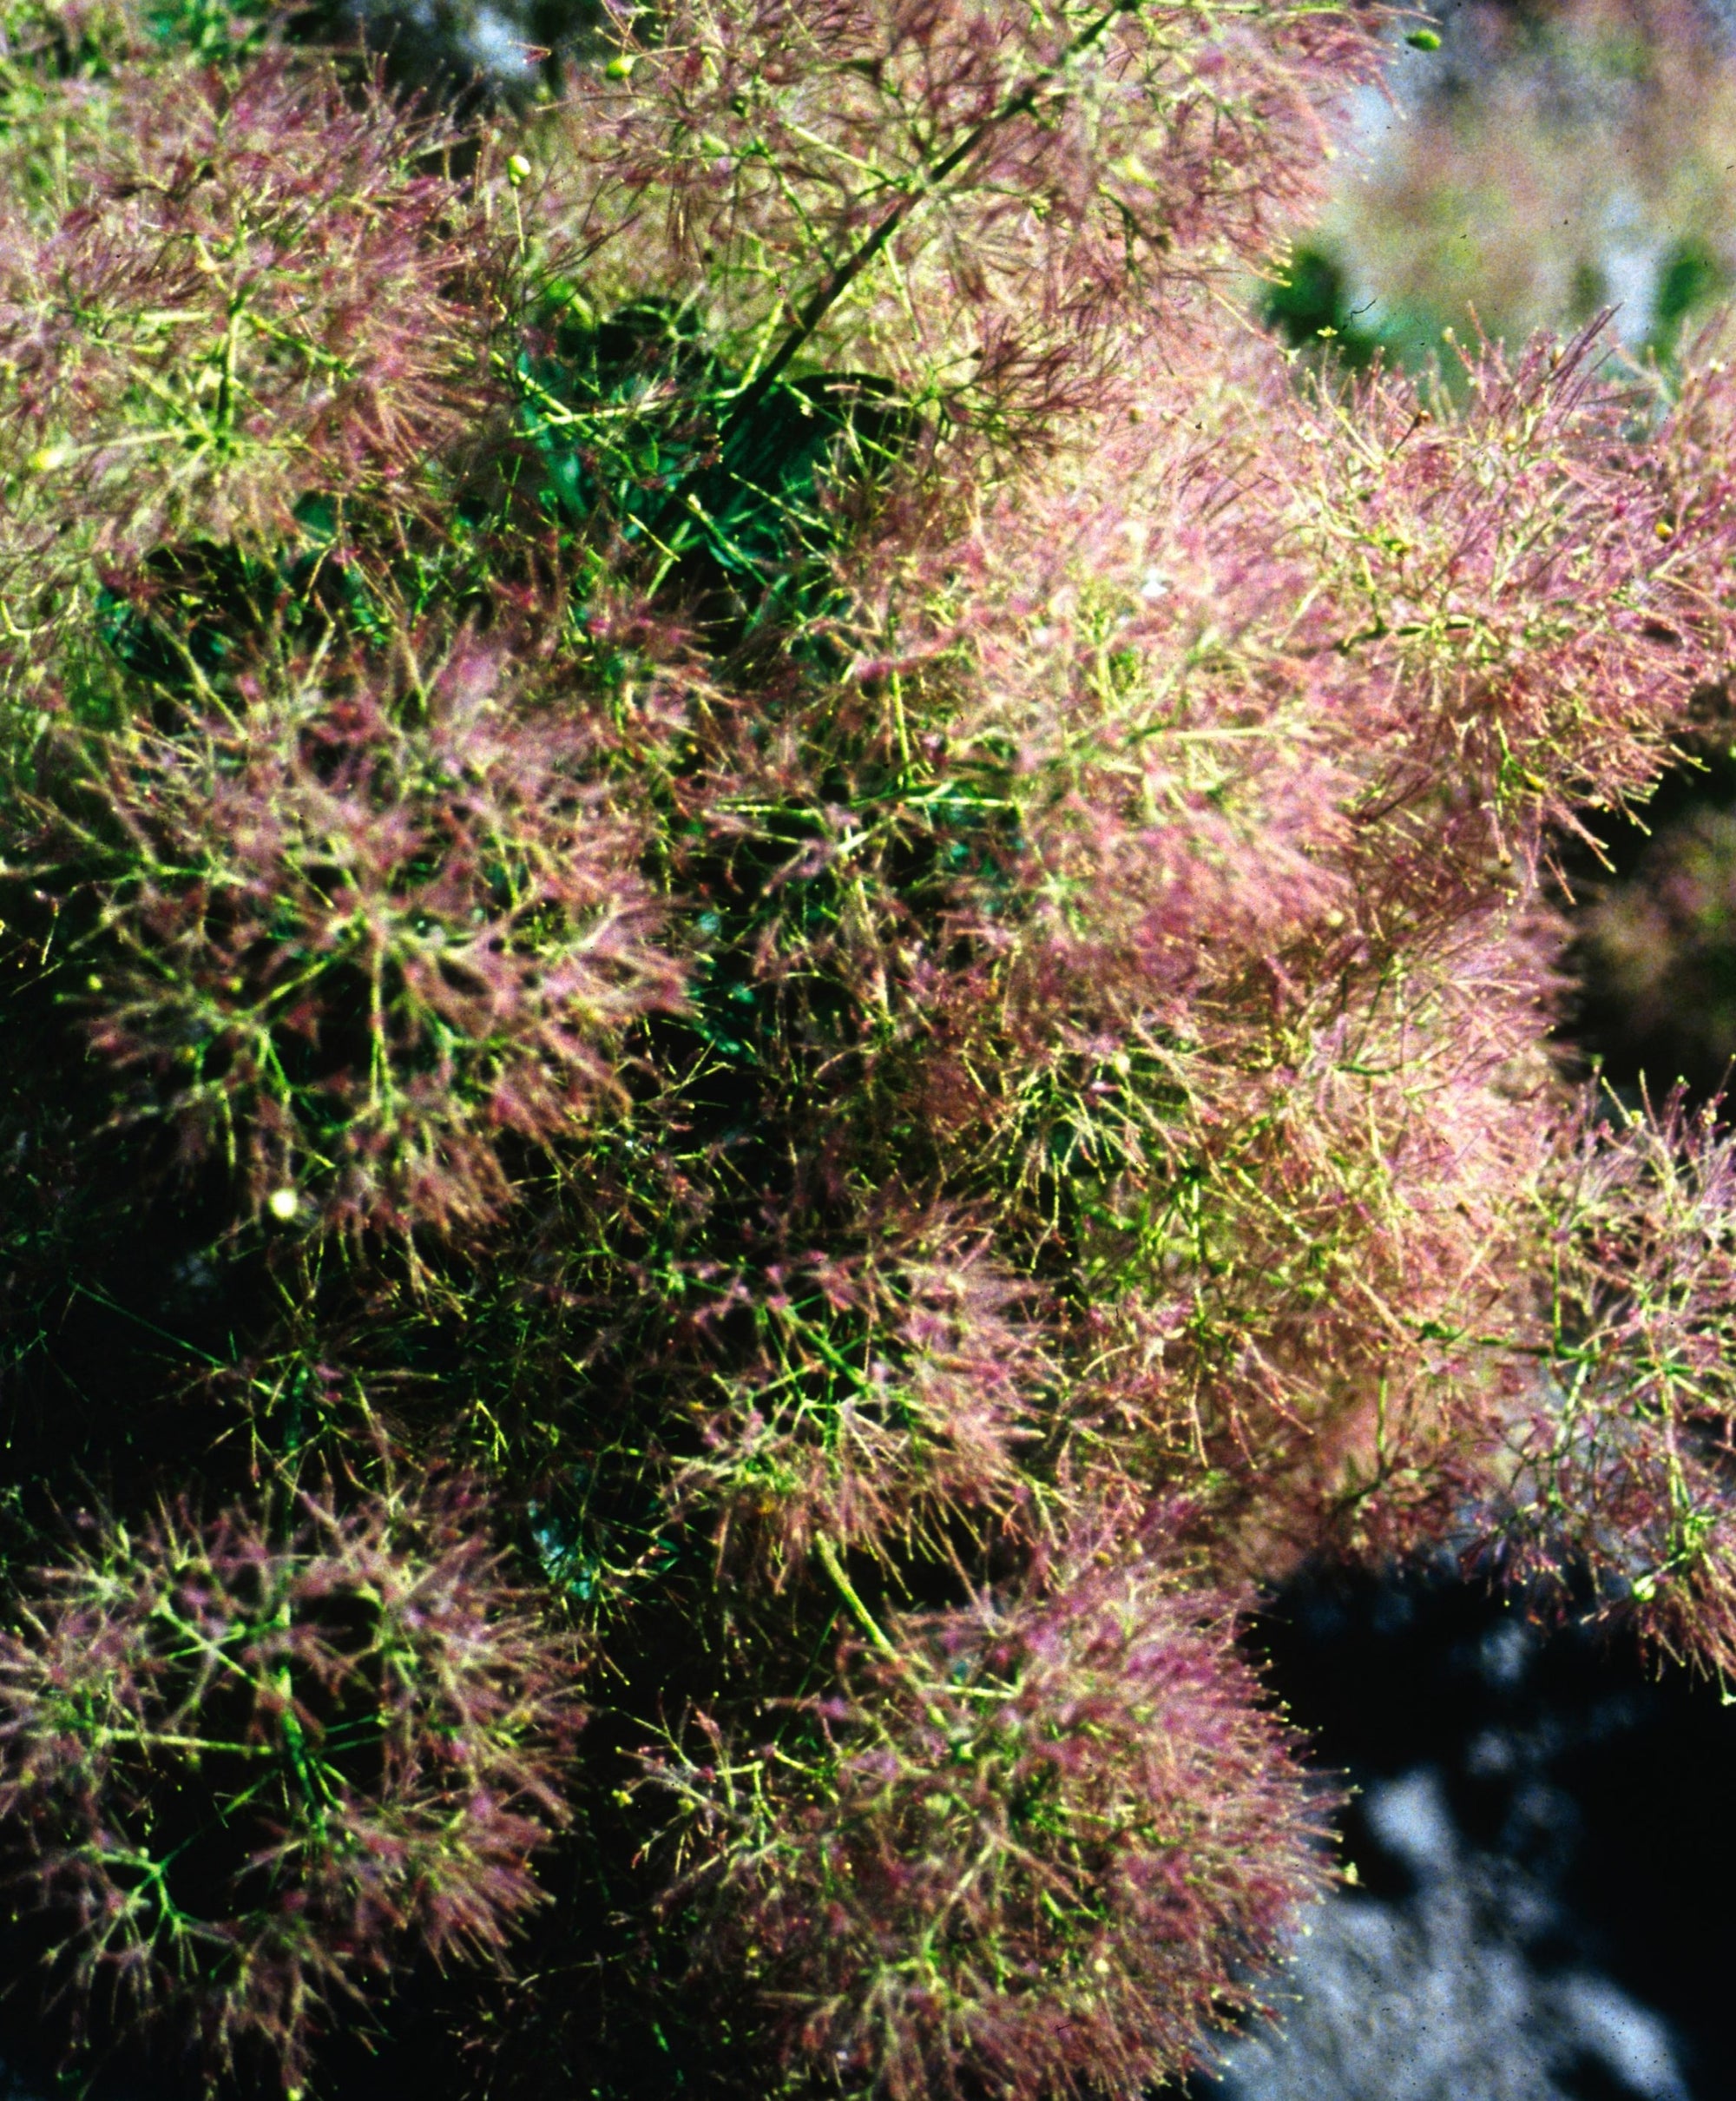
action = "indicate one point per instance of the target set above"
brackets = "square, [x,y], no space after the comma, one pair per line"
[351,930]
[1289,656]
[1030,1846]
[859,1395]
[1245,738]
[251,291]
[1623,1449]
[975,202]
[244,1768]
[724,811]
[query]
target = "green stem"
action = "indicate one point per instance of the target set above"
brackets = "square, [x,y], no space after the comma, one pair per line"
[847,1591]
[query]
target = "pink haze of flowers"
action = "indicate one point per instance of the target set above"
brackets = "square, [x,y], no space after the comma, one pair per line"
[730,819]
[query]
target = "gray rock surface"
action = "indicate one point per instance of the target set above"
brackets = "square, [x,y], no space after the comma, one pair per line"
[1452,1992]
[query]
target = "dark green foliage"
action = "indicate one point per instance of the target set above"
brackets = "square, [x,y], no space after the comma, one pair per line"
[1310,305]
[720,484]
[1689,279]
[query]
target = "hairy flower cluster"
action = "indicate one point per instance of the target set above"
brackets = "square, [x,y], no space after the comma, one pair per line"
[350,937]
[1624,1450]
[1243,755]
[969,199]
[243,1769]
[248,290]
[1032,1846]
[859,1395]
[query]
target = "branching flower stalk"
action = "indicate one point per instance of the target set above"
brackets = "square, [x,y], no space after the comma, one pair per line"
[1022,102]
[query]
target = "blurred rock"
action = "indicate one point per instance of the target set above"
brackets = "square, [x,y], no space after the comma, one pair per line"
[1539,1822]
[462,53]
[1450,1993]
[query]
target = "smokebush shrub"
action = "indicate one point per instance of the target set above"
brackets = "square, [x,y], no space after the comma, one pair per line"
[721,810]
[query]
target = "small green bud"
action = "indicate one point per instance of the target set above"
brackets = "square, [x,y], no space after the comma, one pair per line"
[518,171]
[51,458]
[619,67]
[1424,40]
